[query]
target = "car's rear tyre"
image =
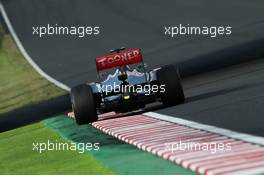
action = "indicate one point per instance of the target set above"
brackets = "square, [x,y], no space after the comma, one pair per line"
[173,95]
[83,104]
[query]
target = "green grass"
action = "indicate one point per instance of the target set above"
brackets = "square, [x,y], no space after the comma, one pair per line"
[121,157]
[20,85]
[17,155]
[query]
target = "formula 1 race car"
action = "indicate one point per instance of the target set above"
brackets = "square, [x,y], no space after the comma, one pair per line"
[125,85]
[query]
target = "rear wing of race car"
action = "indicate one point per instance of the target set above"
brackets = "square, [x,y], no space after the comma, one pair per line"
[118,59]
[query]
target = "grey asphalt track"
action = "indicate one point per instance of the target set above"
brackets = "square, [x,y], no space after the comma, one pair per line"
[231,98]
[34,113]
[132,24]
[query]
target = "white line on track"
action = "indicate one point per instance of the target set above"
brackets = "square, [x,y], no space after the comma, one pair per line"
[225,132]
[213,129]
[154,143]
[242,158]
[26,55]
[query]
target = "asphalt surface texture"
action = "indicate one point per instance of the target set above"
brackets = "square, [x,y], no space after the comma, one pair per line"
[134,24]
[222,76]
[34,113]
[231,98]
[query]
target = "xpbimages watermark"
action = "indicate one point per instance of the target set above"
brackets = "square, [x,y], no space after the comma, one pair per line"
[42,147]
[79,31]
[146,89]
[212,147]
[212,31]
